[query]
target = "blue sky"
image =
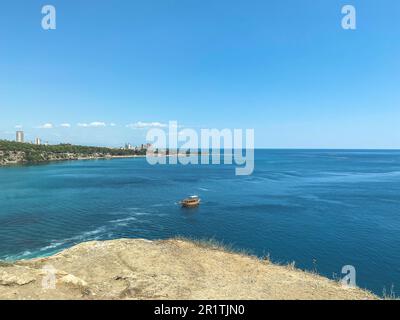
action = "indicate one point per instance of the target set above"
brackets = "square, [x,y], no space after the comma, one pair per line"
[285,68]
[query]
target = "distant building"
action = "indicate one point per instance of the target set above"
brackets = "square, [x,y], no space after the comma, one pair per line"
[128,146]
[145,146]
[38,142]
[19,136]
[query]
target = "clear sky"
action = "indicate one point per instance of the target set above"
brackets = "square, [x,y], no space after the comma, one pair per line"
[283,67]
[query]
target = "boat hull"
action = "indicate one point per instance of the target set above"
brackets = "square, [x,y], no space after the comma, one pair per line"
[190,205]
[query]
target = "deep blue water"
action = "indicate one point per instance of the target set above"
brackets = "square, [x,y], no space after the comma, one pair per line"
[321,209]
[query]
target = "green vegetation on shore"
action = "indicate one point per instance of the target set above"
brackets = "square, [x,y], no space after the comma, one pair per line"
[15,152]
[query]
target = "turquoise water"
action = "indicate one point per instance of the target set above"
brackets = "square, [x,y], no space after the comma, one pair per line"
[321,209]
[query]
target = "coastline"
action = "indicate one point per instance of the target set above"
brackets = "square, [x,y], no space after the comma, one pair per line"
[19,163]
[163,269]
[19,153]
[106,157]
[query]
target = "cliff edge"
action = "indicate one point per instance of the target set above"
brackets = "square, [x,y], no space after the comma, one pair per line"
[164,269]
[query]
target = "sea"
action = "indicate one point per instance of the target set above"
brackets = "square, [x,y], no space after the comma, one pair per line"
[322,209]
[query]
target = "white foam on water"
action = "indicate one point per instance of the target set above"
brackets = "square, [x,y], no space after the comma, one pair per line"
[124,220]
[90,233]
[18,256]
[141,213]
[52,245]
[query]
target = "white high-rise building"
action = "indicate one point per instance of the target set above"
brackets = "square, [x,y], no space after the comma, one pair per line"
[20,136]
[38,142]
[128,146]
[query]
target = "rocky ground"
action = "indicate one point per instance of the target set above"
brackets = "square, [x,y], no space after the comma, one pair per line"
[169,269]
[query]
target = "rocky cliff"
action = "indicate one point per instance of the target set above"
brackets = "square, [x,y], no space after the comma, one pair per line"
[169,269]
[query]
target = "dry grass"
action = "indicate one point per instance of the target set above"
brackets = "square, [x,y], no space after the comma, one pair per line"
[214,244]
[167,269]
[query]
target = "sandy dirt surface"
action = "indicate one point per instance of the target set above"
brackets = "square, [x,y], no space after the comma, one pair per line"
[167,269]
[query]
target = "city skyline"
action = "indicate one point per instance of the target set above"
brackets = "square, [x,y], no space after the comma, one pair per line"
[109,72]
[20,137]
